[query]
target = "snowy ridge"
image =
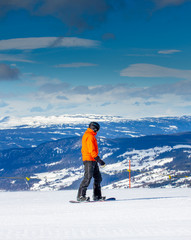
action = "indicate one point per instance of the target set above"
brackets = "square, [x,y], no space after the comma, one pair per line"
[142,159]
[43,121]
[150,171]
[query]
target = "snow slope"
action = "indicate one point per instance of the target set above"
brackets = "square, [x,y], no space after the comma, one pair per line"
[139,214]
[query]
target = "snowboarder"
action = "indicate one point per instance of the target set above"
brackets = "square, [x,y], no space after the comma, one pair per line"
[90,160]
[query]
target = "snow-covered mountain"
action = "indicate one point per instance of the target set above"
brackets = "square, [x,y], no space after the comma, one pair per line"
[31,131]
[156,161]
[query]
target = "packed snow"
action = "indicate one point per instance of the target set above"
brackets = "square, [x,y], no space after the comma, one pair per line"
[138,214]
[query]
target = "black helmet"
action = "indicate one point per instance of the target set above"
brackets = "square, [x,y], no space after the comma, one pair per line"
[94,126]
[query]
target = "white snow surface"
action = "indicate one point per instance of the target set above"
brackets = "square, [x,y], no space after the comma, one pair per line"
[138,214]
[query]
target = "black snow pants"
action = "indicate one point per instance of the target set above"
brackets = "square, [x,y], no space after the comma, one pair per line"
[91,170]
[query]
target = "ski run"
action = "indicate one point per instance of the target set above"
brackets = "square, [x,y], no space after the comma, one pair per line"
[137,214]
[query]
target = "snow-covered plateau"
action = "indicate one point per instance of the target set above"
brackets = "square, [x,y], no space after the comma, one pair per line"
[27,132]
[43,121]
[138,214]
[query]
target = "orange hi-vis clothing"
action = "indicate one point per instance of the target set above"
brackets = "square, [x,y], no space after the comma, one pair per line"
[89,146]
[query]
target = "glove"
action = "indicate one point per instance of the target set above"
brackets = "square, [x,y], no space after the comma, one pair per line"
[101,162]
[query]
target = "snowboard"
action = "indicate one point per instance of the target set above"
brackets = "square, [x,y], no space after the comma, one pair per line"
[91,201]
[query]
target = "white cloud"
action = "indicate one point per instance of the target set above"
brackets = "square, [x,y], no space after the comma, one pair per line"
[151,70]
[76,65]
[14,58]
[168,51]
[46,42]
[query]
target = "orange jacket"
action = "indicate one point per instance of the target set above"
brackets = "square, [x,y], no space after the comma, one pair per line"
[89,146]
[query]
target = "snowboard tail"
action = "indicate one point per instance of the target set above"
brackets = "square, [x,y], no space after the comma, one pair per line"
[106,200]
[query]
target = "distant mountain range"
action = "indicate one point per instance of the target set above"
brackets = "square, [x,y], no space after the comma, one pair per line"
[31,131]
[156,161]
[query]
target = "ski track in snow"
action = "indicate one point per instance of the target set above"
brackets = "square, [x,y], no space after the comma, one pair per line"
[138,214]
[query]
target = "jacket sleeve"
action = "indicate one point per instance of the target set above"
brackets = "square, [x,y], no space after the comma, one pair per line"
[92,147]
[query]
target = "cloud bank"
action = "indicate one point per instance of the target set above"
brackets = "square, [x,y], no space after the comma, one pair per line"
[57,97]
[164,99]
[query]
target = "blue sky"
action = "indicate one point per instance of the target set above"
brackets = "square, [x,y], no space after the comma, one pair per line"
[127,57]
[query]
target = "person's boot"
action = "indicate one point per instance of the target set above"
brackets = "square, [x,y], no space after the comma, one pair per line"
[83,199]
[99,198]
